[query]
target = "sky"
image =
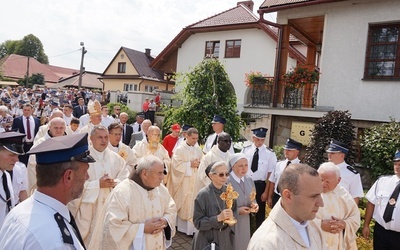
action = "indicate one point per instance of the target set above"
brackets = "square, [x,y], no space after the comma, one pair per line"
[104,26]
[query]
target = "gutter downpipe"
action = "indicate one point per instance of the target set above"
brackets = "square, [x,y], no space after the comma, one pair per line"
[276,73]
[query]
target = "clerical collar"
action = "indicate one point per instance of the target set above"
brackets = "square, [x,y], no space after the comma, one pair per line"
[302,229]
[136,178]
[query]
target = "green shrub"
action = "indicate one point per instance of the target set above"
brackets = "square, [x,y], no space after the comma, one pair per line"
[124,108]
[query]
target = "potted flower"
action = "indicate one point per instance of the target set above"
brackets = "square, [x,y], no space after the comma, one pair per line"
[257,79]
[300,76]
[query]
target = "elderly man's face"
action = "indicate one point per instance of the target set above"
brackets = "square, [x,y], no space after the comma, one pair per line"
[123,118]
[95,119]
[329,181]
[152,178]
[57,128]
[100,140]
[305,204]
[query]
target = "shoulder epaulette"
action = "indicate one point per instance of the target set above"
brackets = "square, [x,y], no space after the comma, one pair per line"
[353,170]
[269,149]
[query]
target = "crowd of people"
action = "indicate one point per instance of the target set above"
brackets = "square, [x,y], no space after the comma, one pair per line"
[86,179]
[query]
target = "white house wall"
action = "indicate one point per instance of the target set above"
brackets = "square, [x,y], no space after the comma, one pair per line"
[343,58]
[257,54]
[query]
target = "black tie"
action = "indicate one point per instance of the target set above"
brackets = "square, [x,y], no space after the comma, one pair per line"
[254,162]
[288,163]
[75,227]
[7,191]
[387,215]
[215,141]
[123,133]
[139,128]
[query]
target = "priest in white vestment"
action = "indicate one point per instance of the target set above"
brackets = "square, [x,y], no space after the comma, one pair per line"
[116,145]
[339,219]
[185,162]
[152,146]
[104,174]
[139,213]
[219,152]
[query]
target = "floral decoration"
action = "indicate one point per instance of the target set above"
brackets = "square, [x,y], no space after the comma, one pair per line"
[257,78]
[299,76]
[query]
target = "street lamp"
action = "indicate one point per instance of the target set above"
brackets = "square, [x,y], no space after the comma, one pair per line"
[81,69]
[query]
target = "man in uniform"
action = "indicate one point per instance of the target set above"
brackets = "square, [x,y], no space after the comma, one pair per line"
[262,161]
[382,206]
[339,219]
[108,170]
[218,124]
[43,220]
[350,178]
[291,152]
[137,126]
[185,163]
[290,223]
[10,148]
[148,205]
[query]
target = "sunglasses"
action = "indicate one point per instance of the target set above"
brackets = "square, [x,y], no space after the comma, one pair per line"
[222,174]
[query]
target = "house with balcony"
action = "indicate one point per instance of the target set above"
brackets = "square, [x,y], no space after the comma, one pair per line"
[354,45]
[239,40]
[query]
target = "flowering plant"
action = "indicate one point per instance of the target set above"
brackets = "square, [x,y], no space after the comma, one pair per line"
[299,76]
[257,78]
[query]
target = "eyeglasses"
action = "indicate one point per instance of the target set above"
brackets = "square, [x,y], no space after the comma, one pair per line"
[222,174]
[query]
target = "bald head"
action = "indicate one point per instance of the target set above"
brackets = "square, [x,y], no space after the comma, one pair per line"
[57,113]
[57,127]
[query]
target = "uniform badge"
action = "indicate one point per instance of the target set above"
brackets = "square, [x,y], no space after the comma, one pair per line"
[392,201]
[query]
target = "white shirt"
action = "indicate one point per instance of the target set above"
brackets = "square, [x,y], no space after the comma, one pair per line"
[20,179]
[379,195]
[31,225]
[3,204]
[276,173]
[68,119]
[350,181]
[266,162]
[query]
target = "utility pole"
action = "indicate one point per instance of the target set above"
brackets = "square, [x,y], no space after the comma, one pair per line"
[81,69]
[27,74]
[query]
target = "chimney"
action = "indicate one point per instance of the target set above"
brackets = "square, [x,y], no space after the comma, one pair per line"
[248,4]
[147,52]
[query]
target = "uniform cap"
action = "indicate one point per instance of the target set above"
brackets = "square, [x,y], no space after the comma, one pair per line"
[185,127]
[396,156]
[63,149]
[337,147]
[12,141]
[140,114]
[218,119]
[22,101]
[260,132]
[292,145]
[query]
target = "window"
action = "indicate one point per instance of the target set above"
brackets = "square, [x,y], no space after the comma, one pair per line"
[383,56]
[232,48]
[121,67]
[149,88]
[130,87]
[212,49]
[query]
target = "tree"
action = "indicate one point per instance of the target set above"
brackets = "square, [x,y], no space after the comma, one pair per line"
[378,145]
[30,45]
[207,91]
[334,125]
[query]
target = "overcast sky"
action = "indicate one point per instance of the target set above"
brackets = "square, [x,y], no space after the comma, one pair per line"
[103,25]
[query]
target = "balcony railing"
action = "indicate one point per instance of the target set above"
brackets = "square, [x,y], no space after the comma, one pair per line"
[299,98]
[304,97]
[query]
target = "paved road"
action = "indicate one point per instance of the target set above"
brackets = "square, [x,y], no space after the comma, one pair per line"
[181,242]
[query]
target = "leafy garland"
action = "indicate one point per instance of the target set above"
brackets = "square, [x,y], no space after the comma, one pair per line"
[257,78]
[299,76]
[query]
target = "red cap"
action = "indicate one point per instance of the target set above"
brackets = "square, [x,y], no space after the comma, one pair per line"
[176,127]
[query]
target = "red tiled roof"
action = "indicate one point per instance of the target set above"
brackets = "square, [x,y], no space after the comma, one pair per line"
[15,67]
[89,80]
[63,72]
[270,3]
[237,15]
